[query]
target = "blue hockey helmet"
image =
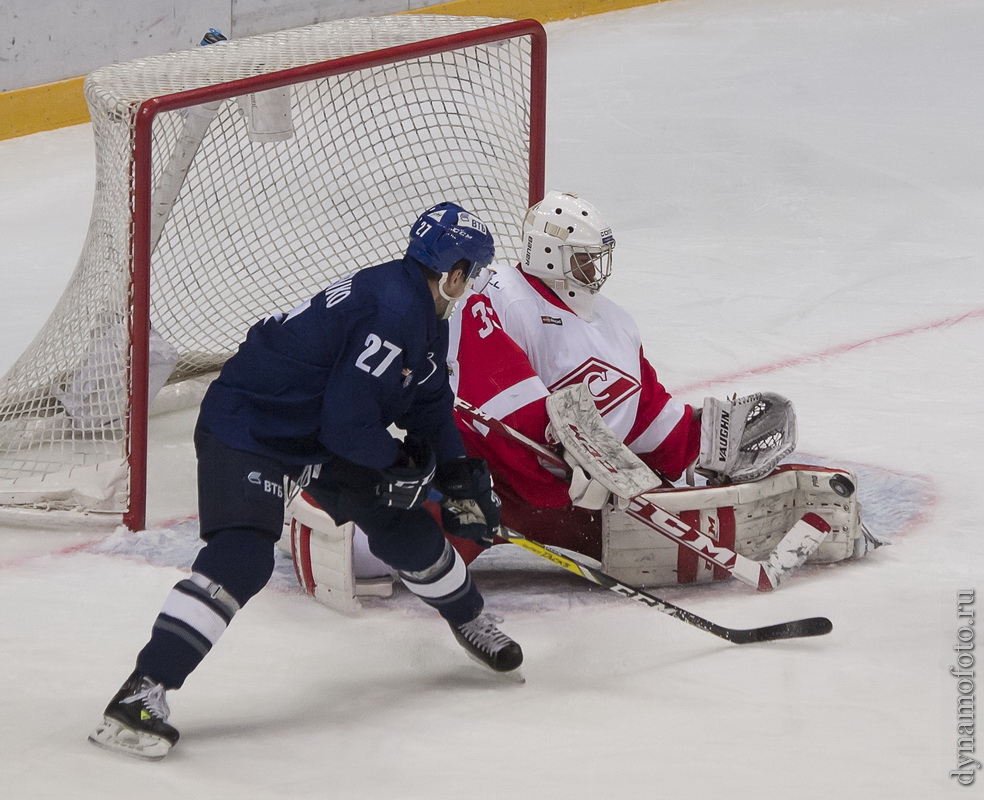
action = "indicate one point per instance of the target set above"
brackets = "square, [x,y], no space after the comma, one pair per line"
[445,234]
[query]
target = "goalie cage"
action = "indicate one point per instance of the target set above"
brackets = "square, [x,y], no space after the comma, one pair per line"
[244,177]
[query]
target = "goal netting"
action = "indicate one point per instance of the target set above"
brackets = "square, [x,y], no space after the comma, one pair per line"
[235,180]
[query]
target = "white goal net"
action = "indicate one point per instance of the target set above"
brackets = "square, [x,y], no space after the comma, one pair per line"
[235,180]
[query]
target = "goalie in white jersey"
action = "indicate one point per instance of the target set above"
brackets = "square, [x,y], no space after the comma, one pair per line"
[542,325]
[539,327]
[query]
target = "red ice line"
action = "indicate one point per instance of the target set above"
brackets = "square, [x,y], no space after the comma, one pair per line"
[947,322]
[72,549]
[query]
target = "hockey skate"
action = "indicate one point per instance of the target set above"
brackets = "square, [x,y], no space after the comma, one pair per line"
[135,721]
[485,643]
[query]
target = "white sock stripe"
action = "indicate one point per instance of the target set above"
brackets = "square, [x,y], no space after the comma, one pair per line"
[216,592]
[454,579]
[452,598]
[195,613]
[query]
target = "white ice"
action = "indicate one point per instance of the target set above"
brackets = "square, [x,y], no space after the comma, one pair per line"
[797,188]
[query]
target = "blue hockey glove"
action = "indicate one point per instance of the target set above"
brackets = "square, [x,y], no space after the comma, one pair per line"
[470,507]
[406,484]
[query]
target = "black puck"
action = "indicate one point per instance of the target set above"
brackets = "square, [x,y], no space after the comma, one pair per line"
[842,485]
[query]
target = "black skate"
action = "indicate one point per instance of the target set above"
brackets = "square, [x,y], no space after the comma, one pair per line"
[135,721]
[485,643]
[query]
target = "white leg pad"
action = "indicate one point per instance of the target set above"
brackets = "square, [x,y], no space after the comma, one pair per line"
[750,517]
[325,560]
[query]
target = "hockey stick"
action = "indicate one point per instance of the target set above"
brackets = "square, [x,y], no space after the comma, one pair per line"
[794,629]
[792,550]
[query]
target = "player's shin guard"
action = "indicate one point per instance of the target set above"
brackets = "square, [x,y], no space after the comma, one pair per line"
[447,587]
[195,614]
[229,570]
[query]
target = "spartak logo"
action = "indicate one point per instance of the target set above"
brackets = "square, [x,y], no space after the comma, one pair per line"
[608,385]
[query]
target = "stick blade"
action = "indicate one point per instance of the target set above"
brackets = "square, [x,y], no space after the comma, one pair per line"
[796,629]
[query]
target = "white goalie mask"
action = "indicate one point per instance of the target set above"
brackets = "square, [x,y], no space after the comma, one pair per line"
[569,247]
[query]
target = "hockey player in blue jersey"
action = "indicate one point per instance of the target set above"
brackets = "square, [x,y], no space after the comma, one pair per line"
[310,396]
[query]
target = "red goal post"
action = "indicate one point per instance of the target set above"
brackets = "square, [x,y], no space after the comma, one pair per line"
[235,180]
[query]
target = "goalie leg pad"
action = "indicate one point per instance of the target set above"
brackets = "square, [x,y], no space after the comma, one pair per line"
[832,494]
[751,517]
[328,558]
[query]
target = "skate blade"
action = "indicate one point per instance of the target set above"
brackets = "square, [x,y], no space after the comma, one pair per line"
[113,735]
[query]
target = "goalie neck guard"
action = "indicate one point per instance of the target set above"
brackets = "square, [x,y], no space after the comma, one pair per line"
[569,247]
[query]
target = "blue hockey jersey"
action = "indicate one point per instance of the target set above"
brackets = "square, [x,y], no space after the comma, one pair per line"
[333,374]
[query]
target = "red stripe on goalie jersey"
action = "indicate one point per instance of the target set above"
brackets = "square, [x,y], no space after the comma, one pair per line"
[498,378]
[680,446]
[606,354]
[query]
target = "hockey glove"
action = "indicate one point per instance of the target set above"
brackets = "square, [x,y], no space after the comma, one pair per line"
[745,438]
[405,484]
[470,507]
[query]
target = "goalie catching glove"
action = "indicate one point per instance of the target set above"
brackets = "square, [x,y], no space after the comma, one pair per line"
[744,439]
[470,508]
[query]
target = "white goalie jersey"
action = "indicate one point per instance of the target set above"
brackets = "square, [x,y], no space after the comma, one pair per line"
[563,349]
[515,343]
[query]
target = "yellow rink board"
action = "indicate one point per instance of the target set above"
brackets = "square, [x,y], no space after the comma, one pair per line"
[55,105]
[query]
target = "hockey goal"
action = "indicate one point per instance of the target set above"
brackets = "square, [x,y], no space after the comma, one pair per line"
[234,180]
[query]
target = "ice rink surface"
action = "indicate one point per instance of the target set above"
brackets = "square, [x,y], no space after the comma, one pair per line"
[797,190]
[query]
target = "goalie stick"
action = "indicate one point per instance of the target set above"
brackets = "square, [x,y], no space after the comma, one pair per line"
[792,550]
[795,629]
